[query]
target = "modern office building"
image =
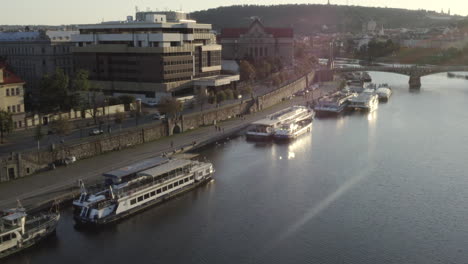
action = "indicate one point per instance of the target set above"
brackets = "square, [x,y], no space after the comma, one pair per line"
[11,95]
[256,42]
[158,54]
[33,54]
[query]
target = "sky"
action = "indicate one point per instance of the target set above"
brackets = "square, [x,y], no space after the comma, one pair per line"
[60,12]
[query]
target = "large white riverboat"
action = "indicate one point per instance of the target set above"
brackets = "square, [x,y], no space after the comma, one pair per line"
[265,128]
[334,103]
[367,100]
[296,127]
[19,231]
[134,188]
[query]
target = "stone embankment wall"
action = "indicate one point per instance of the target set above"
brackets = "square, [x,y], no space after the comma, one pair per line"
[27,163]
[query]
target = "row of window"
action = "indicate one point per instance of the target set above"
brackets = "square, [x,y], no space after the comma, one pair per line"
[14,108]
[12,91]
[178,71]
[160,190]
[8,237]
[31,50]
[178,62]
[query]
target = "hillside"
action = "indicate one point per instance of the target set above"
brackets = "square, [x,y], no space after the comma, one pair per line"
[307,19]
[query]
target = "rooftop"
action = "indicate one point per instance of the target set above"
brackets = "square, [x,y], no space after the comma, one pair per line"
[166,167]
[136,167]
[54,36]
[8,76]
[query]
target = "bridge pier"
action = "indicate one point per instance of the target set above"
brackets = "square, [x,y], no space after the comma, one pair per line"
[415,81]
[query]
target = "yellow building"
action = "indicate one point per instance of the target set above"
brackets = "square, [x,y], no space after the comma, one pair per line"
[12,96]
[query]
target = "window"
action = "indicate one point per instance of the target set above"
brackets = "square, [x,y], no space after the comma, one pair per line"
[181,181]
[133,201]
[7,92]
[158,191]
[147,196]
[186,179]
[164,188]
[140,198]
[207,171]
[170,186]
[200,173]
[176,184]
[153,193]
[18,108]
[14,109]
[17,91]
[191,177]
[20,124]
[8,109]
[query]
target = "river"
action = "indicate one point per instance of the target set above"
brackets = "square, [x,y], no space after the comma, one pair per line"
[386,187]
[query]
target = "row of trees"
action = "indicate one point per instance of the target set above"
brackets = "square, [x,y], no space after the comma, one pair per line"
[376,49]
[259,69]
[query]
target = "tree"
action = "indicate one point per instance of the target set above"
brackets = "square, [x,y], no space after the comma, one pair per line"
[201,98]
[6,123]
[246,90]
[38,135]
[220,96]
[127,100]
[54,92]
[171,106]
[61,126]
[229,94]
[119,118]
[247,71]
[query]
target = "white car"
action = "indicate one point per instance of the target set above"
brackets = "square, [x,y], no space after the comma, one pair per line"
[95,132]
[158,116]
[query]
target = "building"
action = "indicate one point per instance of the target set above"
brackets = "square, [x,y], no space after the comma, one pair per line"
[31,55]
[257,41]
[156,55]
[12,95]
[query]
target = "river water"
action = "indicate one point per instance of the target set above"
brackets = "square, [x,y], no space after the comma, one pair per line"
[386,187]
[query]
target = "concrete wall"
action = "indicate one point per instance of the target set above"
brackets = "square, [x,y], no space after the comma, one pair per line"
[31,162]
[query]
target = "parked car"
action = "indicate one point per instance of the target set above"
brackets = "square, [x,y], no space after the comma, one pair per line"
[69,160]
[158,116]
[95,132]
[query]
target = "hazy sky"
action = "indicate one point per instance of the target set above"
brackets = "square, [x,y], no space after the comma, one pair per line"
[56,12]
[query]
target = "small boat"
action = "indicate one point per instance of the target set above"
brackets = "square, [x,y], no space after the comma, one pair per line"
[19,231]
[137,187]
[294,128]
[368,100]
[384,92]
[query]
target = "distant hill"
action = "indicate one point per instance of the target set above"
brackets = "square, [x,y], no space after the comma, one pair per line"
[307,19]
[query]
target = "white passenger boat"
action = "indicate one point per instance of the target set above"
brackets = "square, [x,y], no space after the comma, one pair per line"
[19,231]
[294,128]
[384,92]
[368,100]
[334,103]
[265,128]
[134,188]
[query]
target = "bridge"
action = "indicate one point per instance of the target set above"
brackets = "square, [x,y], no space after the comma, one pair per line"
[414,72]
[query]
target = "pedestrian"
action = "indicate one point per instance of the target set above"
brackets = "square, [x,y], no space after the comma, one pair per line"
[172,144]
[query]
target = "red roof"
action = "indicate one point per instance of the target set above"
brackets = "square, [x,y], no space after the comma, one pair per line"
[276,32]
[8,76]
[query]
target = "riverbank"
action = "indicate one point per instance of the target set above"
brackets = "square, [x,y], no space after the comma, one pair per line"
[62,184]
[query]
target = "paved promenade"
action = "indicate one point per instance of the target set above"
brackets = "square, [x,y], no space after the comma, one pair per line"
[51,184]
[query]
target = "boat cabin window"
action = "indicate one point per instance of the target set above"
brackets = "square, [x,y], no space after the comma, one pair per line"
[140,198]
[170,186]
[158,191]
[164,188]
[147,196]
[133,201]
[153,193]
[191,177]
[207,171]
[176,184]
[8,237]
[200,173]
[186,179]
[181,181]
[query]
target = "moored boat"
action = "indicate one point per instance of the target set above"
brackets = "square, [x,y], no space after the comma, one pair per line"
[19,231]
[334,103]
[368,100]
[384,92]
[264,129]
[132,190]
[294,128]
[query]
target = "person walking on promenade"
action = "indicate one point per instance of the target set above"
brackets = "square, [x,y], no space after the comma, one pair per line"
[172,144]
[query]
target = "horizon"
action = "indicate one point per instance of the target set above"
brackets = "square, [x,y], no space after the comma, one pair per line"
[85,16]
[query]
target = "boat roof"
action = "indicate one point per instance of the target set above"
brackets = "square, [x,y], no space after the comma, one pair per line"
[166,167]
[136,167]
[265,122]
[14,216]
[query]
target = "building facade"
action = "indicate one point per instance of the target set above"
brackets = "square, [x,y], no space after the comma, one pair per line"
[158,54]
[256,42]
[12,96]
[31,55]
